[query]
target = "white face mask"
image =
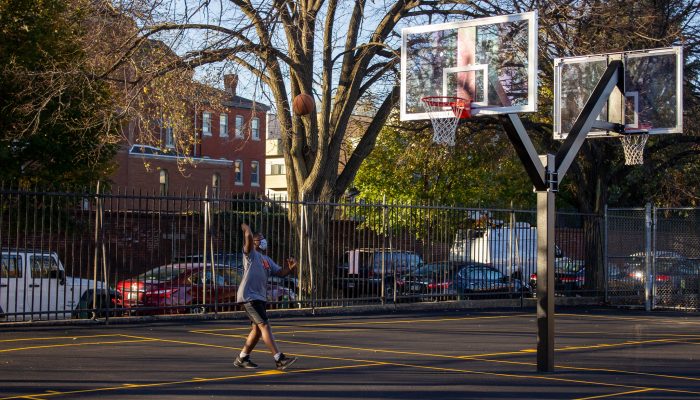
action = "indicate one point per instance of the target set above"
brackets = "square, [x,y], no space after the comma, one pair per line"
[263,244]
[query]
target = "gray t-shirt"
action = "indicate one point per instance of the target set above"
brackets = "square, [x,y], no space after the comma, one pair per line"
[257,268]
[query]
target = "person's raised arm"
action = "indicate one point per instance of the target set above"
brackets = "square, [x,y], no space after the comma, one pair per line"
[247,238]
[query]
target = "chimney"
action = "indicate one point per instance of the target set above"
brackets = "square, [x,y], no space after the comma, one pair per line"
[230,83]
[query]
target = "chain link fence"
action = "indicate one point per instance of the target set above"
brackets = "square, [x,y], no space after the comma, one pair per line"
[653,257]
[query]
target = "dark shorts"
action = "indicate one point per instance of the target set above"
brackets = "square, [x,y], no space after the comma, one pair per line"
[256,311]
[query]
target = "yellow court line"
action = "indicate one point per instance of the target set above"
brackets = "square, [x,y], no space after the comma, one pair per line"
[569,367]
[539,377]
[382,322]
[607,345]
[478,357]
[171,383]
[312,331]
[57,338]
[685,342]
[670,335]
[465,357]
[48,346]
[335,346]
[675,321]
[615,394]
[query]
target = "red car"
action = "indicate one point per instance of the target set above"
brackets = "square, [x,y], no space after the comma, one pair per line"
[186,287]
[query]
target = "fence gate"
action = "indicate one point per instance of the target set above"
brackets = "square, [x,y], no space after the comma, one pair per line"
[653,257]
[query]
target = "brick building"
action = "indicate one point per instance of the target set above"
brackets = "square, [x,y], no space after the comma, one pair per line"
[228,157]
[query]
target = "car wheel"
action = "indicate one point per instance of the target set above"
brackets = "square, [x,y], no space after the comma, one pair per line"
[198,310]
[389,291]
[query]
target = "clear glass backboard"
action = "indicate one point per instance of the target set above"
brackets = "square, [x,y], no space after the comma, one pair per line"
[492,62]
[653,92]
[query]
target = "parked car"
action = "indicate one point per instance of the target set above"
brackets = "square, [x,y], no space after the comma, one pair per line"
[34,285]
[361,271]
[236,260]
[673,272]
[454,279]
[188,287]
[569,276]
[416,282]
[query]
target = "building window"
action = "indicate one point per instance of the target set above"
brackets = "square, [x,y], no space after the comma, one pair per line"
[239,126]
[277,169]
[254,174]
[223,125]
[163,182]
[168,139]
[238,172]
[215,185]
[206,124]
[255,128]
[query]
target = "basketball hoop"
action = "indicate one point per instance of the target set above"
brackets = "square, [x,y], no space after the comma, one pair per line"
[445,127]
[633,146]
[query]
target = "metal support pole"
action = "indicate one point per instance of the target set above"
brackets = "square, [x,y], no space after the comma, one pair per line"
[648,259]
[545,272]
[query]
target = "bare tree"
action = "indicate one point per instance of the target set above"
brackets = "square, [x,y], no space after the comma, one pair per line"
[341,52]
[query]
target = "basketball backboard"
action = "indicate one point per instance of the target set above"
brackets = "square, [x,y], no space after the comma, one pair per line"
[653,92]
[490,61]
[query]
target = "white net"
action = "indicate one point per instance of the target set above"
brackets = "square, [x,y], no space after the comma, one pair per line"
[633,146]
[445,128]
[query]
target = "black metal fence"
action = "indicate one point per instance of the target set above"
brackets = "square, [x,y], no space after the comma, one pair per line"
[84,254]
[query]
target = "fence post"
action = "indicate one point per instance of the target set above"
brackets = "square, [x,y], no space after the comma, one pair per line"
[648,258]
[310,233]
[206,242]
[300,295]
[606,271]
[96,250]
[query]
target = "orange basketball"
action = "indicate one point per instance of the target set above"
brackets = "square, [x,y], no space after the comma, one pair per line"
[303,104]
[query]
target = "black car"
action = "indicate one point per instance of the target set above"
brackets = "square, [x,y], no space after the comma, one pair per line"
[454,279]
[363,272]
[673,273]
[569,276]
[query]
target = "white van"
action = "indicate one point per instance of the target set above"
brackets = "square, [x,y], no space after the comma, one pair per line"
[34,285]
[512,250]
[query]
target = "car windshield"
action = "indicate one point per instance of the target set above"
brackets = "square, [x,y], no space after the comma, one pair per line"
[225,276]
[402,261]
[479,273]
[433,269]
[163,273]
[566,266]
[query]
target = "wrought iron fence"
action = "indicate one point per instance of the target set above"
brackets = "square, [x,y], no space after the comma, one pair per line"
[653,257]
[81,254]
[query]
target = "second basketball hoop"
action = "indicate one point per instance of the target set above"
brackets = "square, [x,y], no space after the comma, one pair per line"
[633,147]
[445,128]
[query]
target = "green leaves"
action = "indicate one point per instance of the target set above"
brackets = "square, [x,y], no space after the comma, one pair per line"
[57,121]
[481,169]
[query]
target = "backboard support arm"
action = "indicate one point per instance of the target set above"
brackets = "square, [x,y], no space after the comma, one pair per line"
[525,150]
[587,118]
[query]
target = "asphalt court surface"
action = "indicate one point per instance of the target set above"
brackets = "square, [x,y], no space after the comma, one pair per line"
[600,354]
